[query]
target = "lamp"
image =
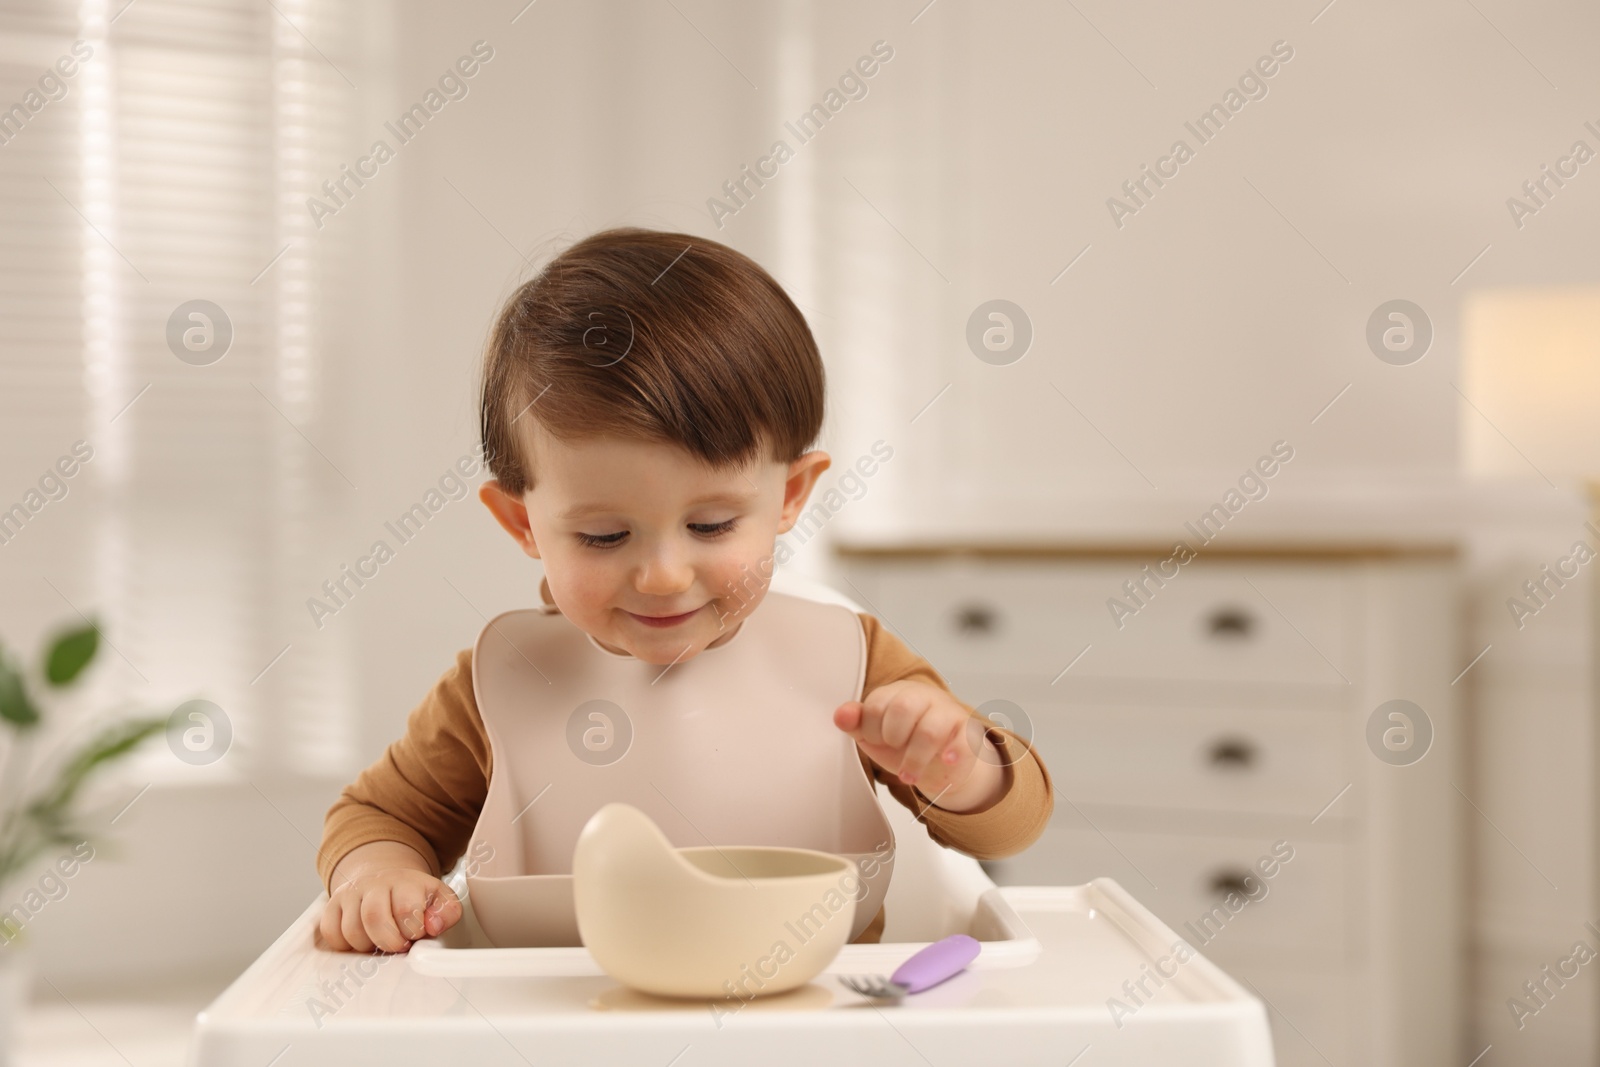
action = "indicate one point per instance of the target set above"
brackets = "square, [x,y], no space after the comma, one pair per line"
[1531,366]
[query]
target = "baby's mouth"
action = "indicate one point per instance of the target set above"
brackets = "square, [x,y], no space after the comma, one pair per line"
[667,620]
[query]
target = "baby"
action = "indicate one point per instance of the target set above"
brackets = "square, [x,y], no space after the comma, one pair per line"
[648,409]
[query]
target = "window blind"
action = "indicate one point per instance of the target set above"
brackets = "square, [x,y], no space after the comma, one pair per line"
[173,169]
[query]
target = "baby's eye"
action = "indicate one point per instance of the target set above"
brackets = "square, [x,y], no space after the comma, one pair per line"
[602,540]
[704,529]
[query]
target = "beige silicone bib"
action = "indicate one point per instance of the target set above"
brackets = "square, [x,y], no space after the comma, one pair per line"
[734,746]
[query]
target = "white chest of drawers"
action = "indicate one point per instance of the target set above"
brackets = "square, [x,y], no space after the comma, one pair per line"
[1222,727]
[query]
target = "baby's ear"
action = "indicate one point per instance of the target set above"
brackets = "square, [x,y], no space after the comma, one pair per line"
[510,512]
[802,476]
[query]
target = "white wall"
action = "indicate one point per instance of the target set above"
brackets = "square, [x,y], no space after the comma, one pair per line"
[1192,338]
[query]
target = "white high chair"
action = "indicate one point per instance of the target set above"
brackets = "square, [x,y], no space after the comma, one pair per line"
[1053,958]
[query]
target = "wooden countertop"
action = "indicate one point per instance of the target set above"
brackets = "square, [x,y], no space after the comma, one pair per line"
[1416,519]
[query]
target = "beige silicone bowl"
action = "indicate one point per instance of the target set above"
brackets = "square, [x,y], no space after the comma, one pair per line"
[715,921]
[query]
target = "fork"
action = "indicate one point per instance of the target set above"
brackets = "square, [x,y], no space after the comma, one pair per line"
[930,966]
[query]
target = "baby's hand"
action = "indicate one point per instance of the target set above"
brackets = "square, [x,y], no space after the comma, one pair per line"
[922,734]
[387,908]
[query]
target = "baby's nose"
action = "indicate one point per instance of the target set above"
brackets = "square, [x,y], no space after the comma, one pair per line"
[665,574]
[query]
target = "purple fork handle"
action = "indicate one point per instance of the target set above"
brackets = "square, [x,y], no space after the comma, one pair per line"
[940,960]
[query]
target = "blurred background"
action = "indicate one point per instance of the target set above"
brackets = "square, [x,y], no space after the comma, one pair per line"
[252,336]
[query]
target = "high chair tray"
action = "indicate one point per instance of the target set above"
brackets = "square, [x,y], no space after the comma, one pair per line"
[319,1008]
[463,951]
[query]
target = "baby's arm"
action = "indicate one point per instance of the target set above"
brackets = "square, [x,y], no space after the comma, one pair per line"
[992,830]
[403,821]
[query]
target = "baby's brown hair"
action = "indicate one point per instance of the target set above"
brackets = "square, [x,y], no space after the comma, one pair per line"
[652,336]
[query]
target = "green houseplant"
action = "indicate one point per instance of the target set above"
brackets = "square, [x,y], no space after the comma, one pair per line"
[40,802]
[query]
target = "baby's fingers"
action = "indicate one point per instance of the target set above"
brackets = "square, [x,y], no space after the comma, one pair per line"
[331,916]
[443,911]
[377,916]
[408,901]
[927,744]
[848,716]
[352,933]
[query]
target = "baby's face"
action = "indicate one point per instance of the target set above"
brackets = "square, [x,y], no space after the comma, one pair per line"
[645,548]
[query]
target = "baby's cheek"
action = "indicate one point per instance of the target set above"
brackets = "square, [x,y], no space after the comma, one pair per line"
[582,590]
[741,581]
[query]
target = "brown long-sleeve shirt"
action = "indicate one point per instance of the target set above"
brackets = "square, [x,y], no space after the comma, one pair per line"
[428,787]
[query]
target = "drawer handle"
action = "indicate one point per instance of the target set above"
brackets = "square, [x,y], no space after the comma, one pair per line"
[1225,882]
[1230,624]
[976,619]
[1233,754]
